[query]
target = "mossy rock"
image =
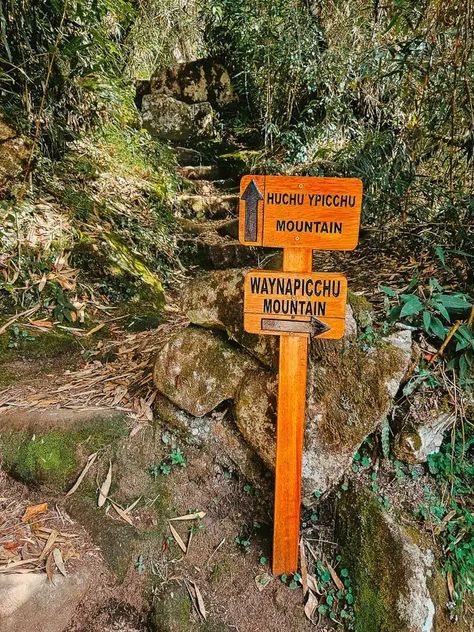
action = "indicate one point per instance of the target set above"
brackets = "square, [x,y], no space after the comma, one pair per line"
[386,567]
[361,308]
[38,346]
[54,457]
[113,263]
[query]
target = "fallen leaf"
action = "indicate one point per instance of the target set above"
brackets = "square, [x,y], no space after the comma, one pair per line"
[304,568]
[34,510]
[193,516]
[133,505]
[200,601]
[90,461]
[50,567]
[94,329]
[450,582]
[311,606]
[335,578]
[47,324]
[105,487]
[58,560]
[49,544]
[177,538]
[262,581]
[122,514]
[313,584]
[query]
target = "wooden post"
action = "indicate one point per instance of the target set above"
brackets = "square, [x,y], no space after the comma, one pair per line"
[290,433]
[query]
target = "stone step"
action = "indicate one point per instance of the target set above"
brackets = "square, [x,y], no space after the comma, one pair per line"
[212,251]
[201,172]
[188,156]
[212,187]
[209,206]
[223,227]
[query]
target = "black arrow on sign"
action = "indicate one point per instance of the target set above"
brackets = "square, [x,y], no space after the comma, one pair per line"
[313,327]
[251,197]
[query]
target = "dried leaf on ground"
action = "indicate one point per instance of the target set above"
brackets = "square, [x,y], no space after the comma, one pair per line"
[90,461]
[311,606]
[304,568]
[34,510]
[132,506]
[58,560]
[262,581]
[313,584]
[194,516]
[105,487]
[177,538]
[335,578]
[50,567]
[123,514]
[49,544]
[450,582]
[200,601]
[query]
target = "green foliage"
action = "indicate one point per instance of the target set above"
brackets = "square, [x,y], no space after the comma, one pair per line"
[59,64]
[335,603]
[272,47]
[449,511]
[355,90]
[175,458]
[432,309]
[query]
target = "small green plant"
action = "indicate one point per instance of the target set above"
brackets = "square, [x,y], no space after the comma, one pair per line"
[337,599]
[17,336]
[449,511]
[432,309]
[174,458]
[243,542]
[140,566]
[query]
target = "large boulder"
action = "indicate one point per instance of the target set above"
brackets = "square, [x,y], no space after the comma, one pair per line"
[197,370]
[195,82]
[169,119]
[349,393]
[214,300]
[390,572]
[31,602]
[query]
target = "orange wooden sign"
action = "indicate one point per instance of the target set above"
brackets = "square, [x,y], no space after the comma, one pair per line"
[295,304]
[300,212]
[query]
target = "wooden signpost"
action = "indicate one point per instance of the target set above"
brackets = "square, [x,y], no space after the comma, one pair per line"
[299,214]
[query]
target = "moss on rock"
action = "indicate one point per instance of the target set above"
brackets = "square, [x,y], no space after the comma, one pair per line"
[361,308]
[54,457]
[38,345]
[386,568]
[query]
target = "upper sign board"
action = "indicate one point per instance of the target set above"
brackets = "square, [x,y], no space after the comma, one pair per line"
[303,212]
[295,303]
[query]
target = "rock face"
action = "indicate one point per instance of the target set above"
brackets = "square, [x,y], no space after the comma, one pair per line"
[14,154]
[342,409]
[195,82]
[31,602]
[197,370]
[423,428]
[178,102]
[214,300]
[388,569]
[349,391]
[170,119]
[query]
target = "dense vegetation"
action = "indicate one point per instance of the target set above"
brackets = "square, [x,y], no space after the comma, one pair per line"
[383,92]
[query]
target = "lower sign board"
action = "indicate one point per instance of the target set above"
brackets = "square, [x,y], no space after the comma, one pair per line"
[300,212]
[295,304]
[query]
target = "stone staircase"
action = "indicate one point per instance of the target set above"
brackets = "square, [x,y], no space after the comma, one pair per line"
[207,213]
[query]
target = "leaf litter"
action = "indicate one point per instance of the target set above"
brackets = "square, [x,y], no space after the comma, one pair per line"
[33,539]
